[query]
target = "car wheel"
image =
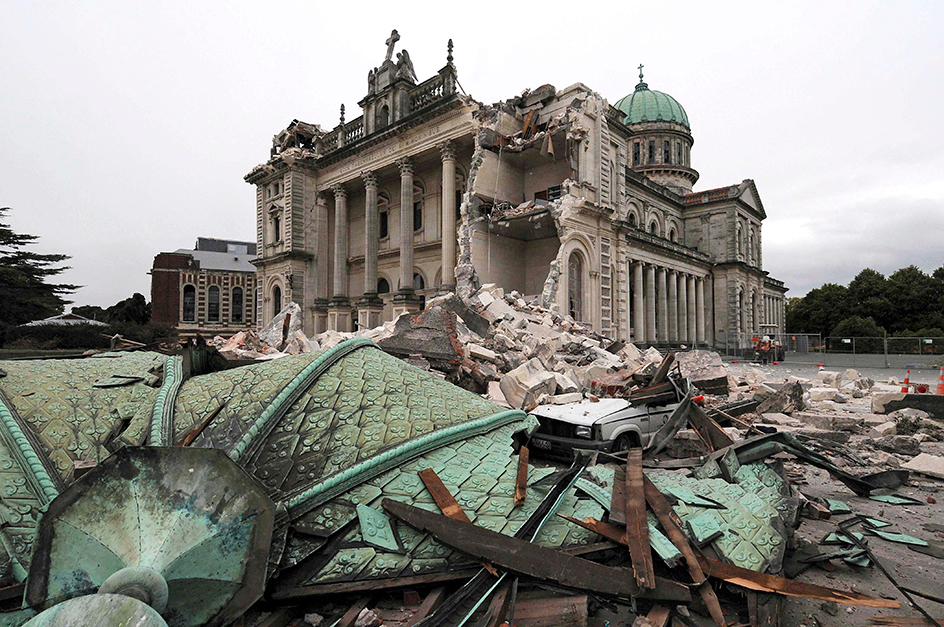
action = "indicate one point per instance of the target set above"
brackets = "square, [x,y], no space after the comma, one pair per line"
[624,443]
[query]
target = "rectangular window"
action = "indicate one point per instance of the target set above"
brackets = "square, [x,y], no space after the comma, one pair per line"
[666,152]
[678,151]
[384,225]
[237,305]
[276,229]
[636,154]
[190,303]
[417,215]
[652,152]
[213,304]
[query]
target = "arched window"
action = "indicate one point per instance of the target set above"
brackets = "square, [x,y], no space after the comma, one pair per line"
[654,227]
[276,300]
[418,282]
[383,286]
[673,236]
[383,116]
[739,242]
[740,312]
[418,195]
[190,303]
[383,209]
[213,304]
[754,316]
[750,247]
[575,286]
[631,218]
[236,304]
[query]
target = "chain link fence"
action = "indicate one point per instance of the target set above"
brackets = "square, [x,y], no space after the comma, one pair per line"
[844,352]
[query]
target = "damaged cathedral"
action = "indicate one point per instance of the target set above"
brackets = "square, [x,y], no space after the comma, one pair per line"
[584,206]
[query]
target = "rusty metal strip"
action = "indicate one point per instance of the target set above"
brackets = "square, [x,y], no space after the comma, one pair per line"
[521,482]
[443,497]
[637,527]
[529,559]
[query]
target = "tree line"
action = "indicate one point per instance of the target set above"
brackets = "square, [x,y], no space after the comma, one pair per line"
[908,303]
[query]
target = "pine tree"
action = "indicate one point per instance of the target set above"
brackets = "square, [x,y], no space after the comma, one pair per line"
[24,293]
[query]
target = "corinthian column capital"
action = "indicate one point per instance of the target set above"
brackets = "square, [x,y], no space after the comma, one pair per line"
[369,178]
[448,150]
[406,165]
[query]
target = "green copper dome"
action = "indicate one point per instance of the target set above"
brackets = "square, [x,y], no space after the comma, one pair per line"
[646,105]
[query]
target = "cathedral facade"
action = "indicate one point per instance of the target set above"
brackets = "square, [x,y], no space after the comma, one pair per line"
[584,206]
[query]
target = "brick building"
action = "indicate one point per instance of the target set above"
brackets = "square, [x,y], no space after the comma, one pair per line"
[207,290]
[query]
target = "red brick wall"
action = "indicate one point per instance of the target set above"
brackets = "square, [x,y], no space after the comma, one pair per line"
[165,287]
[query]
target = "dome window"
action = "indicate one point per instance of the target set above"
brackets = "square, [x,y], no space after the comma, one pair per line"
[652,152]
[636,154]
[667,152]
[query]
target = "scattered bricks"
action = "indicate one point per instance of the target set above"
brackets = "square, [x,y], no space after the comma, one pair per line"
[480,352]
[828,422]
[705,370]
[829,379]
[823,394]
[496,311]
[525,384]
[884,429]
[564,399]
[900,444]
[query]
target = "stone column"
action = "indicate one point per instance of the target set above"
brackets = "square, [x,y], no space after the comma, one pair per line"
[370,307]
[406,301]
[322,243]
[339,310]
[673,307]
[682,308]
[449,235]
[663,325]
[639,309]
[691,309]
[700,310]
[650,304]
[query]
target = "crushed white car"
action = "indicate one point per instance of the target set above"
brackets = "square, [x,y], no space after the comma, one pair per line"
[606,424]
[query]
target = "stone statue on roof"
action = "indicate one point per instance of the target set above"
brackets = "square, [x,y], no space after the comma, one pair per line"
[405,66]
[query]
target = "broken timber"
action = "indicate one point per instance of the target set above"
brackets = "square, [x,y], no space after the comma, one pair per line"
[708,429]
[528,559]
[637,527]
[521,482]
[444,499]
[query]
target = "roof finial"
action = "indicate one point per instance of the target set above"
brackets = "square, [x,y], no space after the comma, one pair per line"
[449,55]
[640,72]
[342,115]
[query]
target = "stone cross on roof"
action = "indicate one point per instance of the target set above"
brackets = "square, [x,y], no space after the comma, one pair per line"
[391,42]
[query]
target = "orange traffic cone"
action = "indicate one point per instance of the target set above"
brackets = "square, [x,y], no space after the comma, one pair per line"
[940,383]
[906,384]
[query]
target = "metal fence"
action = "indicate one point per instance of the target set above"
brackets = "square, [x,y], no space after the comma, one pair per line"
[849,352]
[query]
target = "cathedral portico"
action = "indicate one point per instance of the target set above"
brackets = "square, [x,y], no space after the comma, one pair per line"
[573,203]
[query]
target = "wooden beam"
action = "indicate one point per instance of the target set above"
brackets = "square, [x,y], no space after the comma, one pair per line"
[663,372]
[280,618]
[521,482]
[432,601]
[443,497]
[710,430]
[618,498]
[349,587]
[551,611]
[193,434]
[672,526]
[762,582]
[525,558]
[637,527]
[350,616]
[659,615]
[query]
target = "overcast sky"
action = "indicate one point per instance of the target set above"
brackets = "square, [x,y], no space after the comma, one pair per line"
[127,127]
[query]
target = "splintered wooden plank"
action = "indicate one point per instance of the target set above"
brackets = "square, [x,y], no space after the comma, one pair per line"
[762,582]
[552,611]
[672,526]
[618,500]
[531,560]
[637,526]
[350,616]
[432,601]
[443,497]
[659,615]
[521,482]
[708,429]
